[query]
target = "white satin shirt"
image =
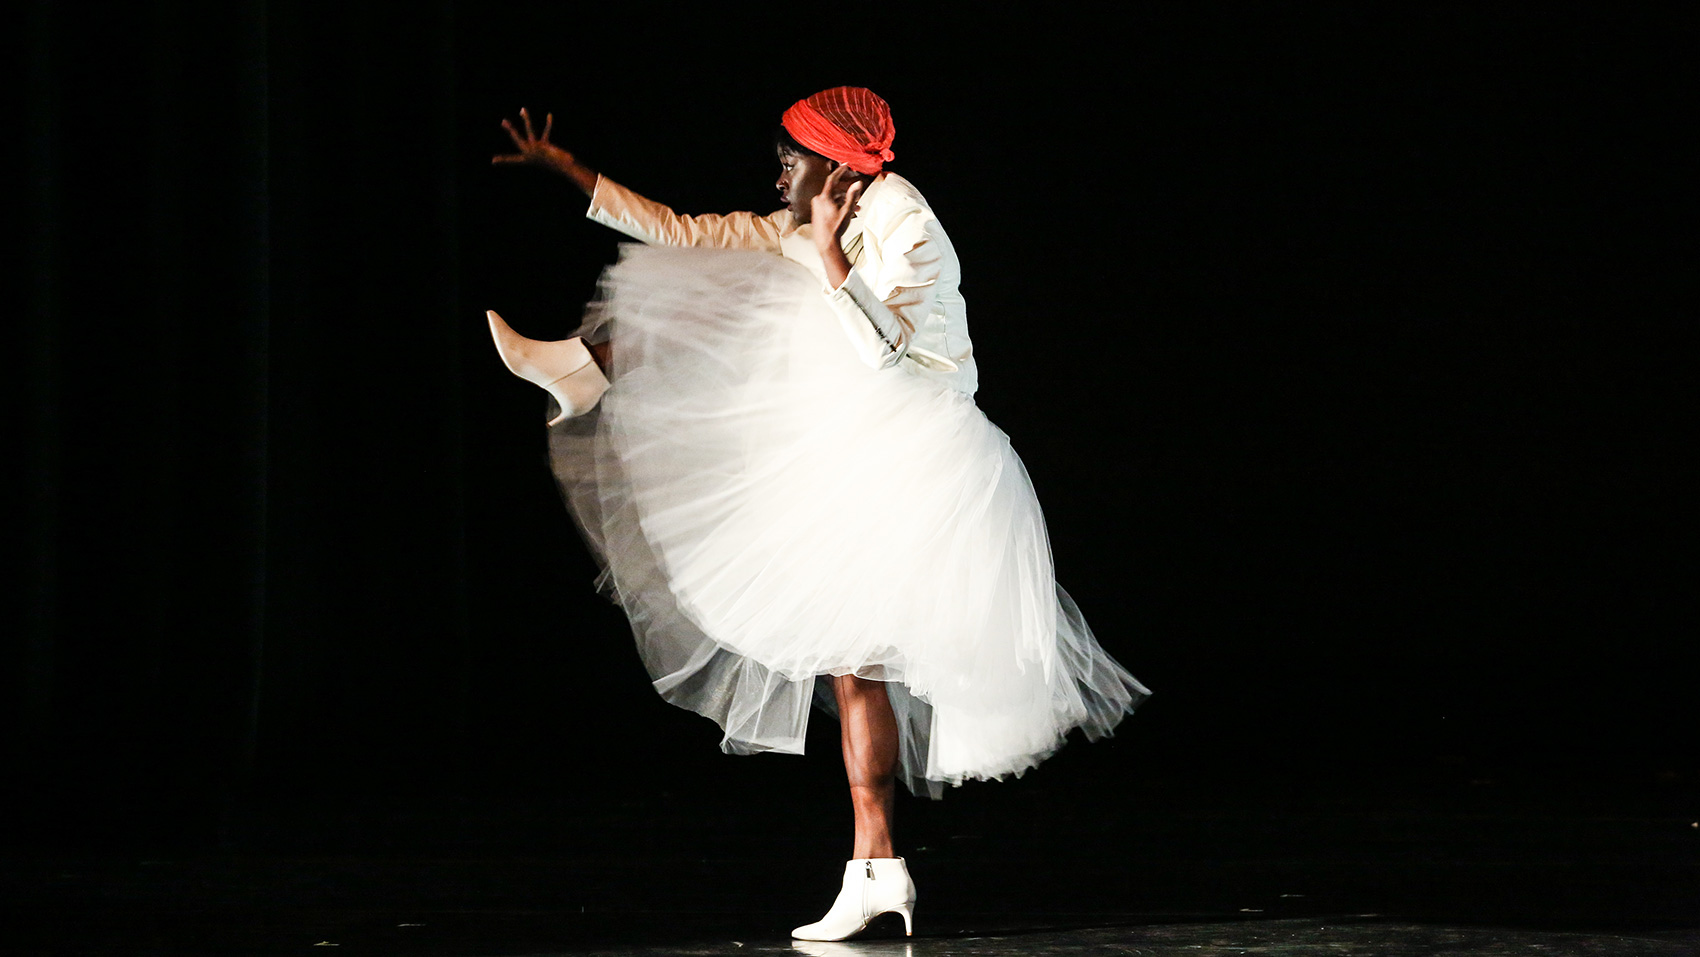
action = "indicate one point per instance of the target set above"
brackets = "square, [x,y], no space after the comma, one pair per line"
[901,304]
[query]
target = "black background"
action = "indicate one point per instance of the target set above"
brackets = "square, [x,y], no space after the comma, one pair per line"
[1345,345]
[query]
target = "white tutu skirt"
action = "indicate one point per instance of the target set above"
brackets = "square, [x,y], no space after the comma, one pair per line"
[768,510]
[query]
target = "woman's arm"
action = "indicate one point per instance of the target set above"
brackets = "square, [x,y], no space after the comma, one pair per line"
[880,335]
[830,211]
[880,311]
[654,223]
[619,208]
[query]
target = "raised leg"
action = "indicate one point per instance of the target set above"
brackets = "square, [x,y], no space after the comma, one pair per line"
[568,369]
[868,731]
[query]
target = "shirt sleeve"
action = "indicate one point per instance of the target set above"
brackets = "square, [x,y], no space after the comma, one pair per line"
[643,219]
[881,313]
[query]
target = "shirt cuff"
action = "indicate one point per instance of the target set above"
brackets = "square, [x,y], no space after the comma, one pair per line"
[612,205]
[878,335]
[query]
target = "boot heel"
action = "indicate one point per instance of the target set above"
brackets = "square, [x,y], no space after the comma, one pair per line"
[908,912]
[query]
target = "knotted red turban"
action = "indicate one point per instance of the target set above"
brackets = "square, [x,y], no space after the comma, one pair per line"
[846,123]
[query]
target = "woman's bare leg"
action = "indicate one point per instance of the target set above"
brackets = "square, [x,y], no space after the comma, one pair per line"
[869,735]
[602,353]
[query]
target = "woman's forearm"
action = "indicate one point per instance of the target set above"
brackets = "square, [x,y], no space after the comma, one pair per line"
[837,265]
[582,176]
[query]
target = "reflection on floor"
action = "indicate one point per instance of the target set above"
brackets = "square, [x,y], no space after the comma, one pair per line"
[1032,867]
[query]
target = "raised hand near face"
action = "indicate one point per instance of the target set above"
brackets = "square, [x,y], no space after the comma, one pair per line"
[832,207]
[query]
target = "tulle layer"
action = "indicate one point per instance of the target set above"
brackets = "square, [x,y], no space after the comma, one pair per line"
[768,510]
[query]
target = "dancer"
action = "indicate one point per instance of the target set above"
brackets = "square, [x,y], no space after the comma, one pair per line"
[766,431]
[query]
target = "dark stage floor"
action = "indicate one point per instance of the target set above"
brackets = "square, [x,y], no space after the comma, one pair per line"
[1031,867]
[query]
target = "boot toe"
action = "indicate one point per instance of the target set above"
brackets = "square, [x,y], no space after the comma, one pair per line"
[819,930]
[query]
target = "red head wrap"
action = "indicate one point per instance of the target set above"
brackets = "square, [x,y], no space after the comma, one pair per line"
[846,123]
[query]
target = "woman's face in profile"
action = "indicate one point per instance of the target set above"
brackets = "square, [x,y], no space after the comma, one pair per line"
[801,176]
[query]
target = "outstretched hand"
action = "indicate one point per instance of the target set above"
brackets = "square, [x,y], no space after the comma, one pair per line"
[832,207]
[536,150]
[532,149]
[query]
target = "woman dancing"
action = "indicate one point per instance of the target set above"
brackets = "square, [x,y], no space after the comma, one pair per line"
[767,433]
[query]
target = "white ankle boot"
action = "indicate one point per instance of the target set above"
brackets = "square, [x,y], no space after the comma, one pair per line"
[565,368]
[872,886]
